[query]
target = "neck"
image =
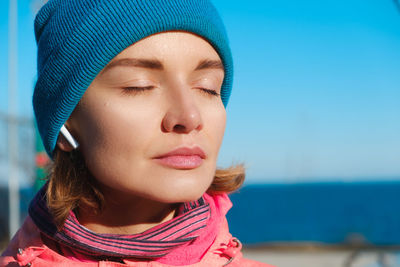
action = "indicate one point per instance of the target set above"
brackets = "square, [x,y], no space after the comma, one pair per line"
[125,214]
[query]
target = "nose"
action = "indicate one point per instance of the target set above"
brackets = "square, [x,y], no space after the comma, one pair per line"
[183,114]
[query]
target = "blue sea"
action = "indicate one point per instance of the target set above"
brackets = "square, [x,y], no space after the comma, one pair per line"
[328,212]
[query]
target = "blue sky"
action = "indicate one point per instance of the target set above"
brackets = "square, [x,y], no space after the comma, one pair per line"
[316,88]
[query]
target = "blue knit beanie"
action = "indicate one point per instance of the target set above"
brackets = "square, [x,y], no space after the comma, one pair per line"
[77,38]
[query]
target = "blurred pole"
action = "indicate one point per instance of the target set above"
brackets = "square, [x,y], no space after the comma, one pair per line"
[13,184]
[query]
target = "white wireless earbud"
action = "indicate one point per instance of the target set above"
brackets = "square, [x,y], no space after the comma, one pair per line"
[69,137]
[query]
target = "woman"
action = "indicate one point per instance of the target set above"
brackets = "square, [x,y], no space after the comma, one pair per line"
[138,90]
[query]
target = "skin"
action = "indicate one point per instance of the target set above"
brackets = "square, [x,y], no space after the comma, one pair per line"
[121,130]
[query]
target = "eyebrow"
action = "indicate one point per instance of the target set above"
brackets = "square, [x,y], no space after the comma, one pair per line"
[135,62]
[209,64]
[157,65]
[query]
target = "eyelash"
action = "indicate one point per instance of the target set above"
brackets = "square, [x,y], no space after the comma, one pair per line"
[208,91]
[134,89]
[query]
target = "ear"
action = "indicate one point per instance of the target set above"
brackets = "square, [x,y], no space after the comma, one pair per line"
[63,144]
[66,141]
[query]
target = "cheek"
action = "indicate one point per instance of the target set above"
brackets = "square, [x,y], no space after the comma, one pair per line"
[215,122]
[109,122]
[115,135]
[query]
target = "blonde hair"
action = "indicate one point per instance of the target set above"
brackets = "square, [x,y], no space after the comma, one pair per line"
[71,184]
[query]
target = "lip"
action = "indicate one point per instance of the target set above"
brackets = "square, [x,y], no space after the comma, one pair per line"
[182,158]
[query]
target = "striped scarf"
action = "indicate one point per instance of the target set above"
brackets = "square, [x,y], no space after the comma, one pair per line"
[189,224]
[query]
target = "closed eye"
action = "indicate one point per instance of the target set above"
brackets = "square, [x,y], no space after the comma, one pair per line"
[209,91]
[137,89]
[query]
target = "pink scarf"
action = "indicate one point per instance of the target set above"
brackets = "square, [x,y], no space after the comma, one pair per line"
[184,238]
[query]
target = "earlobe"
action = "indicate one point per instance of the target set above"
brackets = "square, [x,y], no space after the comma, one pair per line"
[63,144]
[66,141]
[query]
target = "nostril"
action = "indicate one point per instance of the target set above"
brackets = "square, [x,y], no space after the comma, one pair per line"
[181,120]
[179,128]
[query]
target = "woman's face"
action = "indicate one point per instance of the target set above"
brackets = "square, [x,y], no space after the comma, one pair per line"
[160,94]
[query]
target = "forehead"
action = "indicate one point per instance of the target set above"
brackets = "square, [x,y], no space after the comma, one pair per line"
[168,49]
[171,45]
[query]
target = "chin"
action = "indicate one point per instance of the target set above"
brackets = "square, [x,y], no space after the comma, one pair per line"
[185,197]
[179,193]
[180,186]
